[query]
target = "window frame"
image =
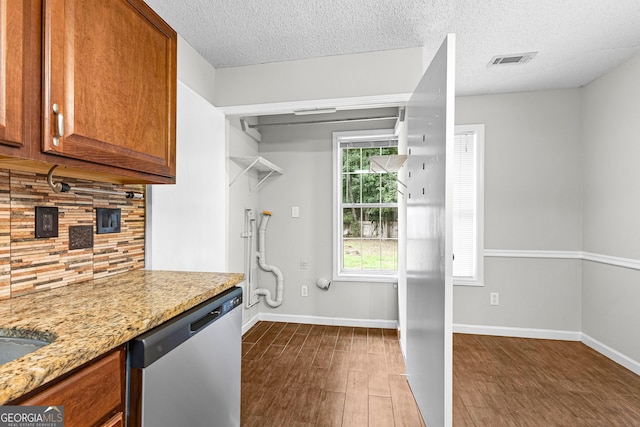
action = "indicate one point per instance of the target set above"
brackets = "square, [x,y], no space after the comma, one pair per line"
[478,278]
[340,274]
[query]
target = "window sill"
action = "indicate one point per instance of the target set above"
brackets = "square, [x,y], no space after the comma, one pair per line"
[365,278]
[462,282]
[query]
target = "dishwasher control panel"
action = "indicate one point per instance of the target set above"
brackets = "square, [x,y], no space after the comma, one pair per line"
[231,304]
[154,344]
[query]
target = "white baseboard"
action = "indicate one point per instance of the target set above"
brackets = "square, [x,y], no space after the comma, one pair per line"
[504,331]
[320,320]
[612,354]
[249,323]
[549,334]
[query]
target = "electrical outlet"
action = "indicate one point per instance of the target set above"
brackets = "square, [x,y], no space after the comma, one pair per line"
[494,298]
[304,290]
[304,262]
[255,298]
[295,211]
[46,222]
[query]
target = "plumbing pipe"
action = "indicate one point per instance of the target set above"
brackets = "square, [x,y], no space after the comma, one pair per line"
[269,268]
[249,222]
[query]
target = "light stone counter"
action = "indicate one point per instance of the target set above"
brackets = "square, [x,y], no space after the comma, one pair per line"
[91,318]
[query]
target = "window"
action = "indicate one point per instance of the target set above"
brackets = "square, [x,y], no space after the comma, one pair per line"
[366,208]
[468,205]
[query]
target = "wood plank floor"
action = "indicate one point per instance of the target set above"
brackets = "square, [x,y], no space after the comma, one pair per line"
[309,375]
[502,381]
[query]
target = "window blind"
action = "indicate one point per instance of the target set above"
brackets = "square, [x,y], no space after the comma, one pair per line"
[465,205]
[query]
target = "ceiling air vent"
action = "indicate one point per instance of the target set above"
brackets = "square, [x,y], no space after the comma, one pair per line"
[517,58]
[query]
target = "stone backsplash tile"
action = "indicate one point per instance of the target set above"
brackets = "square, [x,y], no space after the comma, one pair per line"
[28,264]
[5,236]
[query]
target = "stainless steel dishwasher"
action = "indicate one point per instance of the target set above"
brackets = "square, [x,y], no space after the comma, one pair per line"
[186,372]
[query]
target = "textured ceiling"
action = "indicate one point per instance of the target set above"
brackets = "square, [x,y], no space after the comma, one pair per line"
[577,40]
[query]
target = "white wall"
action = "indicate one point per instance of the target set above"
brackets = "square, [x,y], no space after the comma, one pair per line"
[382,75]
[195,72]
[533,167]
[403,175]
[240,198]
[610,129]
[570,185]
[547,154]
[374,73]
[304,152]
[185,227]
[186,221]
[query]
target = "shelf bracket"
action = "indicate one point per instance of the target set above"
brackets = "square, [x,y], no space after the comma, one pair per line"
[259,164]
[247,169]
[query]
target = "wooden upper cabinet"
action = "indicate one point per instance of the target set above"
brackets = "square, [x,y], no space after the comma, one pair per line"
[14,63]
[109,84]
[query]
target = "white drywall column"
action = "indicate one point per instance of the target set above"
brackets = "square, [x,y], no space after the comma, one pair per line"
[186,221]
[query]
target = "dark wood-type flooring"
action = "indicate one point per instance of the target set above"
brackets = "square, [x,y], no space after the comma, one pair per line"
[502,381]
[310,375]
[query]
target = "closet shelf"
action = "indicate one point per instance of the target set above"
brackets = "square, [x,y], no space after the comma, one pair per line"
[387,164]
[263,166]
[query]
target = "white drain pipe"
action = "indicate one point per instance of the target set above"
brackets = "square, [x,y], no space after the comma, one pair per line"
[249,225]
[272,268]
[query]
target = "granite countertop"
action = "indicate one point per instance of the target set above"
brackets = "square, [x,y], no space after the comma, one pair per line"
[88,319]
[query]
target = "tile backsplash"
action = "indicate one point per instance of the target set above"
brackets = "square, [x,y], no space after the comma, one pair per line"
[28,264]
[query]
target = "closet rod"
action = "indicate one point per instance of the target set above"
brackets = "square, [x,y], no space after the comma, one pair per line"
[313,122]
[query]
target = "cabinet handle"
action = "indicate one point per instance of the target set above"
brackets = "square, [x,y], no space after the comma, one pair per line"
[59,125]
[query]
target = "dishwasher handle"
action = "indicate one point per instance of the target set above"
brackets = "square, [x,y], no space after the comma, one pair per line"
[205,320]
[145,349]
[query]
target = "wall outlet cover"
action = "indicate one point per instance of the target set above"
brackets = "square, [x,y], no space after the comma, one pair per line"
[46,222]
[107,220]
[80,237]
[494,298]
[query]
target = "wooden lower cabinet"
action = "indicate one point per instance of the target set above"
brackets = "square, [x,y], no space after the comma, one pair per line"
[116,421]
[92,395]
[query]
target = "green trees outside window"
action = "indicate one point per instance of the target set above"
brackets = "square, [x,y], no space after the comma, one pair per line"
[369,211]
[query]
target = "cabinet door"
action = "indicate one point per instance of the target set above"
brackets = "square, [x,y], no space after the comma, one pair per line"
[110,73]
[14,57]
[89,395]
[116,421]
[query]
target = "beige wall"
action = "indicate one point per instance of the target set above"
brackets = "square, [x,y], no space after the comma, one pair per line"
[304,152]
[532,168]
[611,194]
[195,72]
[532,202]
[570,184]
[367,74]
[560,175]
